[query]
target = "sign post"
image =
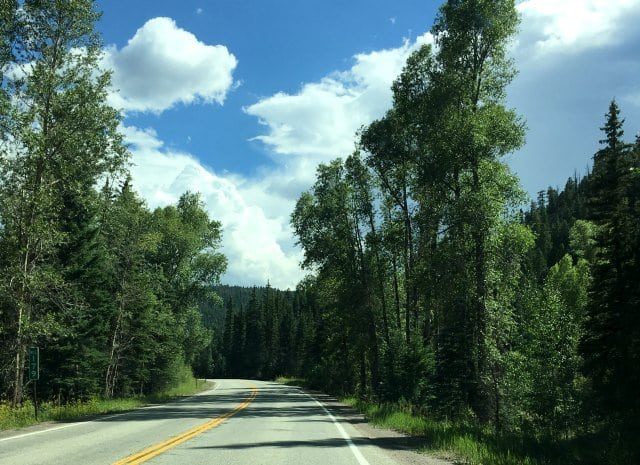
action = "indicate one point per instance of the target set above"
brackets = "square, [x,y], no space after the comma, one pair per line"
[34,374]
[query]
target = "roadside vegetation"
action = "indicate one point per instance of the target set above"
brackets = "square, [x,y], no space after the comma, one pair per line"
[440,299]
[464,441]
[107,288]
[469,443]
[502,328]
[12,418]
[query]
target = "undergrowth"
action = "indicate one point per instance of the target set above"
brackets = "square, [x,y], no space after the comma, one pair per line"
[11,418]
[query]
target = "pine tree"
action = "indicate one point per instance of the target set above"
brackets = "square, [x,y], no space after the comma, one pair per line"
[227,338]
[255,349]
[611,342]
[270,310]
[289,343]
[237,359]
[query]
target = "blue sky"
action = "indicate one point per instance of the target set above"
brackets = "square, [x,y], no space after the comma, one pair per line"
[240,100]
[279,44]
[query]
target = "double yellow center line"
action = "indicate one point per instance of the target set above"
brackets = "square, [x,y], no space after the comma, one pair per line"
[157,449]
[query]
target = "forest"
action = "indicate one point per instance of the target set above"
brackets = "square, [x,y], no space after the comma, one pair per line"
[106,288]
[432,281]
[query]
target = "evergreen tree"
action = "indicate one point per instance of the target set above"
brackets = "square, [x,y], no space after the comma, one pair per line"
[227,341]
[237,359]
[270,311]
[611,343]
[64,139]
[255,349]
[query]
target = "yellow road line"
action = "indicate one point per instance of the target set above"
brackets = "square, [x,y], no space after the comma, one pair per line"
[157,449]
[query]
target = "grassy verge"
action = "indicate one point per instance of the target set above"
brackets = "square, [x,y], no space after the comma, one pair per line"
[49,411]
[472,444]
[286,380]
[187,386]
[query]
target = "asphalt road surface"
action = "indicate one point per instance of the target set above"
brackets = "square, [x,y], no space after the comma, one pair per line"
[238,422]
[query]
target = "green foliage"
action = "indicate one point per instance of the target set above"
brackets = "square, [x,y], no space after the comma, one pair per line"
[543,372]
[431,287]
[506,336]
[272,336]
[10,418]
[470,443]
[109,290]
[611,341]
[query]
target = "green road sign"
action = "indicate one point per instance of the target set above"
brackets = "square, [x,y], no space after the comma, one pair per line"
[34,363]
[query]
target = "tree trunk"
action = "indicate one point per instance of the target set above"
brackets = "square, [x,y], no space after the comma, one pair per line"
[363,372]
[114,356]
[480,311]
[396,289]
[18,376]
[23,313]
[410,291]
[381,281]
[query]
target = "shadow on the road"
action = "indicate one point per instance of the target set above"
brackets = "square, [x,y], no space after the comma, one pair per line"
[273,401]
[389,443]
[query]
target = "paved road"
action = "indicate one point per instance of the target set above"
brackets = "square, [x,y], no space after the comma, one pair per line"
[238,422]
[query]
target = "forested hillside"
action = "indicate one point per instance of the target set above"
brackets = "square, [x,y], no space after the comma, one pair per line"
[108,289]
[265,333]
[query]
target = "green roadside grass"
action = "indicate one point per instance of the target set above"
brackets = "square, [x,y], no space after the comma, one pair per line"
[289,381]
[471,444]
[460,443]
[49,411]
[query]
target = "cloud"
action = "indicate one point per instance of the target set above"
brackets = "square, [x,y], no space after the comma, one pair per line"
[321,119]
[571,64]
[574,56]
[199,11]
[17,71]
[256,235]
[572,26]
[163,65]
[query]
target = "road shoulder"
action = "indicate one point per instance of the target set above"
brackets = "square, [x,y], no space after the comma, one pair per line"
[401,448]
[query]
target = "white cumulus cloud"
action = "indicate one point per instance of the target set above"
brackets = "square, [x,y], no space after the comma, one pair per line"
[321,119]
[633,98]
[163,65]
[318,122]
[256,235]
[570,26]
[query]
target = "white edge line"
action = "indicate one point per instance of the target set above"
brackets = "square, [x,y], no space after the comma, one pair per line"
[101,418]
[345,435]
